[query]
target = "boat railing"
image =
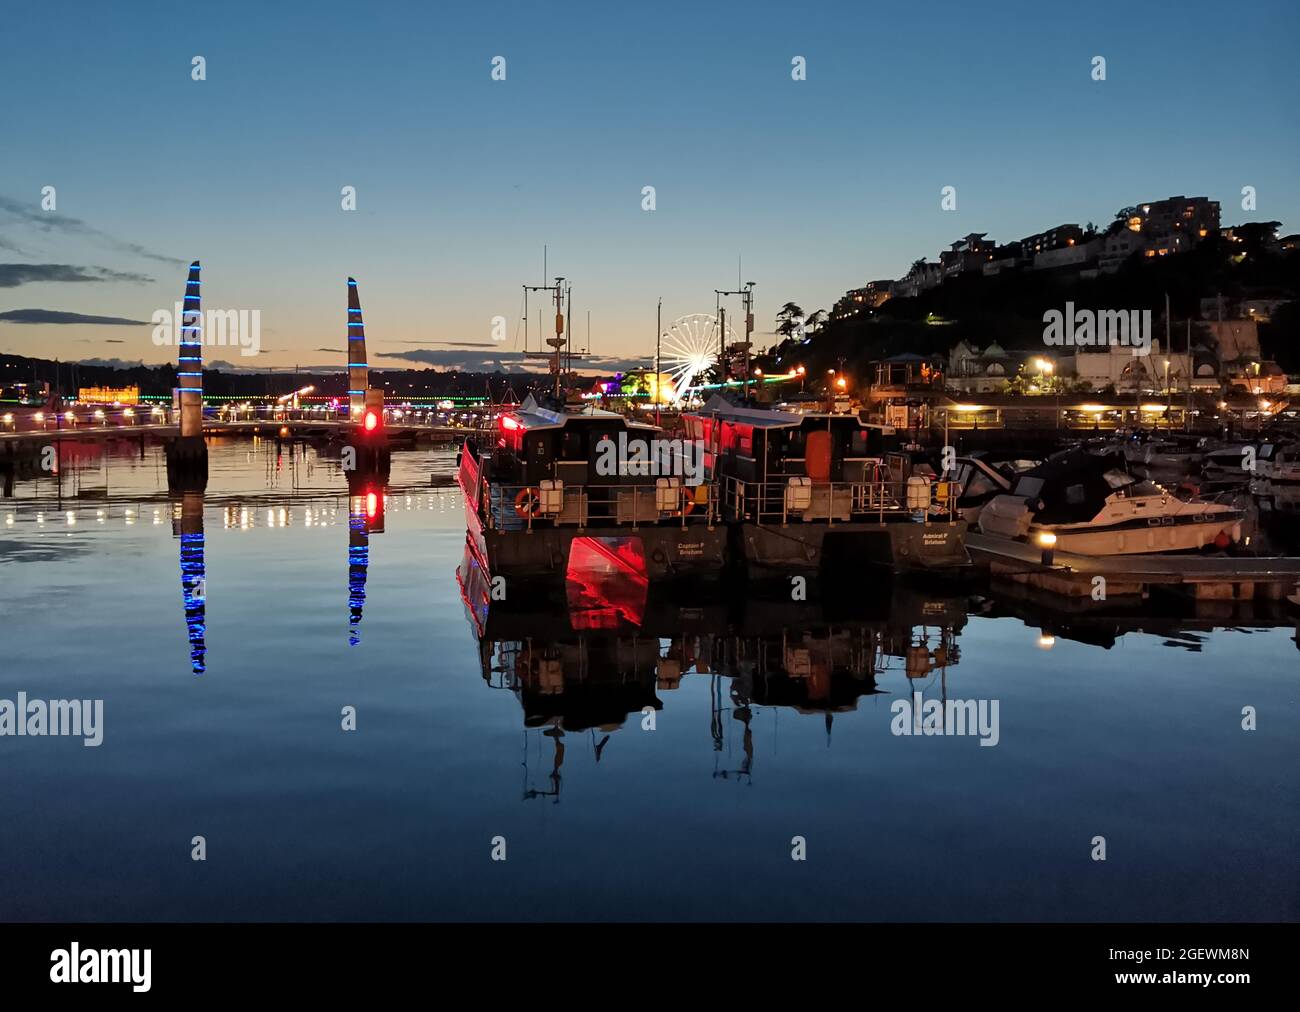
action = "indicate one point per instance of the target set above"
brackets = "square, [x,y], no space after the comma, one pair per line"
[667,502]
[803,500]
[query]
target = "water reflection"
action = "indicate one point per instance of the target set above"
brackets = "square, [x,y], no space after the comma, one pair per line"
[365,517]
[187,524]
[607,656]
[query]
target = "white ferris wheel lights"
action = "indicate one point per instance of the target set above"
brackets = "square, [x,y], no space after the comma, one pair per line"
[690,350]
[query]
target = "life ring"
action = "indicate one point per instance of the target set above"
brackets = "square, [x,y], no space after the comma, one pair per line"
[527,502]
[688,503]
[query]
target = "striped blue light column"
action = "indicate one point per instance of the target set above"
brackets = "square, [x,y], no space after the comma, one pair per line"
[358,371]
[190,365]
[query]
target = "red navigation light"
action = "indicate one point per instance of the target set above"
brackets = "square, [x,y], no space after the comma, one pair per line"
[372,421]
[508,423]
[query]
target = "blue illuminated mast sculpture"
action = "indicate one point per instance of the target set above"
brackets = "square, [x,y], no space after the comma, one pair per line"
[187,454]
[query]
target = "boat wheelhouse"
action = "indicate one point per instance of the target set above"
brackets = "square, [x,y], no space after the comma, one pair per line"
[802,490]
[1089,504]
[554,491]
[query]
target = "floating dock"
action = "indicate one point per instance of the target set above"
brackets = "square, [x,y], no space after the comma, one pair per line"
[1205,578]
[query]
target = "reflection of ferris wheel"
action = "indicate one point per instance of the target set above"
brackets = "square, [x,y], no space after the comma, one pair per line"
[689,351]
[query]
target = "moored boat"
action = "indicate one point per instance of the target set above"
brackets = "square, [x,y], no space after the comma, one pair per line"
[553,492]
[1090,504]
[819,492]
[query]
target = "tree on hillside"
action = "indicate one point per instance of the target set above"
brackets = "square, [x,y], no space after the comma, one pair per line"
[814,321]
[788,319]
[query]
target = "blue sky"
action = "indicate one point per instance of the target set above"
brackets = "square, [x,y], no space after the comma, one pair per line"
[819,185]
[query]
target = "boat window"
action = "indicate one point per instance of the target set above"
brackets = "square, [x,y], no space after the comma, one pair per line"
[980,484]
[1144,488]
[571,449]
[1074,495]
[859,443]
[1029,486]
[1118,479]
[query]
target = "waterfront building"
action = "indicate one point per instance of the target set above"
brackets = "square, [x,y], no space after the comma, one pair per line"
[976,371]
[109,395]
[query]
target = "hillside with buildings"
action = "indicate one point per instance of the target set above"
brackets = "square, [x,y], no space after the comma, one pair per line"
[974,318]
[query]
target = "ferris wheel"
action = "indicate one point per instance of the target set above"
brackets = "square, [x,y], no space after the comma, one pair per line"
[689,351]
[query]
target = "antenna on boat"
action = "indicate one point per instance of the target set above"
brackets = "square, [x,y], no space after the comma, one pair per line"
[561,360]
[746,293]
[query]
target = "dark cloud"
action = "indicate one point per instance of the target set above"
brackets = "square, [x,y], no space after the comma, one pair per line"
[13,275]
[50,221]
[113,363]
[451,344]
[57,316]
[507,361]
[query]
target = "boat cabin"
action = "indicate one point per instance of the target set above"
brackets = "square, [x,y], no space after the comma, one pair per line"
[1073,487]
[761,445]
[538,442]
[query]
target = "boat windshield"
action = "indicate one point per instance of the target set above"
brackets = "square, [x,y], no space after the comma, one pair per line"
[1029,486]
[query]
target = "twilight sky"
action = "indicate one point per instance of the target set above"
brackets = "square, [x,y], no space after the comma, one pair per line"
[820,185]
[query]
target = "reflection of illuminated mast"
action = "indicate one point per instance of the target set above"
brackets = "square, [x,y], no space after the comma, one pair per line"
[189,526]
[365,516]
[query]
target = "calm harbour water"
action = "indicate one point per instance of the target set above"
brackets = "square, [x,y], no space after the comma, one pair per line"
[1134,735]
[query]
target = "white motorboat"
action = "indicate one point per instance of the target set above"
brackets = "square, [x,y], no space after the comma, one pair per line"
[1091,505]
[1169,456]
[1279,463]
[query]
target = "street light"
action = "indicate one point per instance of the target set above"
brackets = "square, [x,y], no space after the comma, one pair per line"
[1047,542]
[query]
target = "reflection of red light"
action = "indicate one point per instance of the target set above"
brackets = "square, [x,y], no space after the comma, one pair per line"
[606,583]
[508,423]
[372,421]
[372,504]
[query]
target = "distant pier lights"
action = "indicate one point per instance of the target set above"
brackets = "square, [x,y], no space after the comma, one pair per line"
[365,403]
[187,454]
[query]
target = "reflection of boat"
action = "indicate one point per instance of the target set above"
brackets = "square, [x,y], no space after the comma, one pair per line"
[1091,505]
[1183,623]
[613,651]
